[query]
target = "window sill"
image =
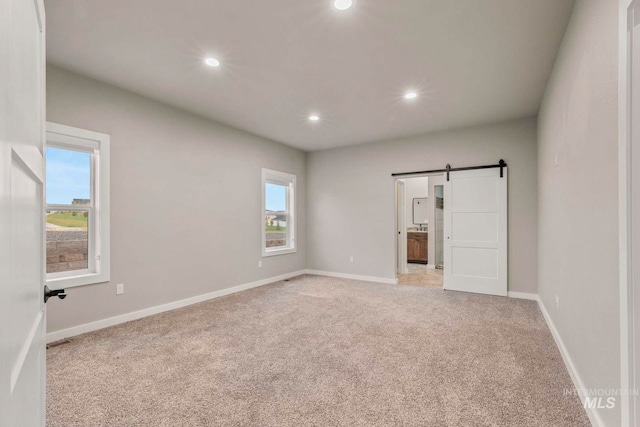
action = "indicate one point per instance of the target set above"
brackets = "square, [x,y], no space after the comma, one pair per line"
[274,252]
[79,280]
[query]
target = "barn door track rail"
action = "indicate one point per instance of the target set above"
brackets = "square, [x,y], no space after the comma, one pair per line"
[501,164]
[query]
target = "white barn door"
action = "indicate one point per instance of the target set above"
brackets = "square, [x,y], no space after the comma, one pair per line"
[475,229]
[22,250]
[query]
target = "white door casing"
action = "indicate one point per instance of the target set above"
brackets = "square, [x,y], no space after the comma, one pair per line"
[401,225]
[475,230]
[633,224]
[629,206]
[22,243]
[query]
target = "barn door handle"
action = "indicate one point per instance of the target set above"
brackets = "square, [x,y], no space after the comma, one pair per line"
[48,293]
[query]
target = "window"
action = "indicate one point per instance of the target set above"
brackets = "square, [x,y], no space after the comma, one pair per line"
[77,198]
[278,213]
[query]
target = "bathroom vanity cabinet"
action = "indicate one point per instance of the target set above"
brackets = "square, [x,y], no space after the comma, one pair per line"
[417,247]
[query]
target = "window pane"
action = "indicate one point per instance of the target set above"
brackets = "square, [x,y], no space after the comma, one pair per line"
[67,241]
[276,230]
[68,177]
[275,200]
[275,197]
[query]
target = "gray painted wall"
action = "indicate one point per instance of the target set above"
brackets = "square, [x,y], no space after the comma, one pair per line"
[185,201]
[578,199]
[353,196]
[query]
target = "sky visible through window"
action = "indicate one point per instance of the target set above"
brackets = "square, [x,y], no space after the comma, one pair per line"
[275,197]
[68,176]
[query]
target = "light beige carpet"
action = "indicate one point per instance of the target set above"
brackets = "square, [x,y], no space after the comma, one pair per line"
[317,351]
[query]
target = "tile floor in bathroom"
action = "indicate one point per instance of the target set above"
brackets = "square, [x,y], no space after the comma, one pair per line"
[420,275]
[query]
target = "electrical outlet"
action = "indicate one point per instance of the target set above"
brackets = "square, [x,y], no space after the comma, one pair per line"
[120,289]
[351,259]
[557,302]
[556,160]
[259,263]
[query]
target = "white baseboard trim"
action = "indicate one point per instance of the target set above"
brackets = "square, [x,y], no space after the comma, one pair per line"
[393,281]
[594,416]
[523,295]
[111,321]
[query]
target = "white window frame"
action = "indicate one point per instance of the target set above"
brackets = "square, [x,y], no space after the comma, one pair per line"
[97,144]
[289,180]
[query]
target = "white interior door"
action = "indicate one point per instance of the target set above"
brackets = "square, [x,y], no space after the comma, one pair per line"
[22,250]
[401,224]
[475,230]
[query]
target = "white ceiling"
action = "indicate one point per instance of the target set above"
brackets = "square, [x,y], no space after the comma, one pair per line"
[471,61]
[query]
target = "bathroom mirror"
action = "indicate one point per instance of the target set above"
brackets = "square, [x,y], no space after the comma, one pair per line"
[420,211]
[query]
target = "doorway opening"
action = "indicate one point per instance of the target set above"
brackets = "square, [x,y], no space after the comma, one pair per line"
[464,210]
[420,234]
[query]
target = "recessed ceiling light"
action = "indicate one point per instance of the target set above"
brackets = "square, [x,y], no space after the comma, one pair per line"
[342,4]
[314,118]
[410,95]
[212,62]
